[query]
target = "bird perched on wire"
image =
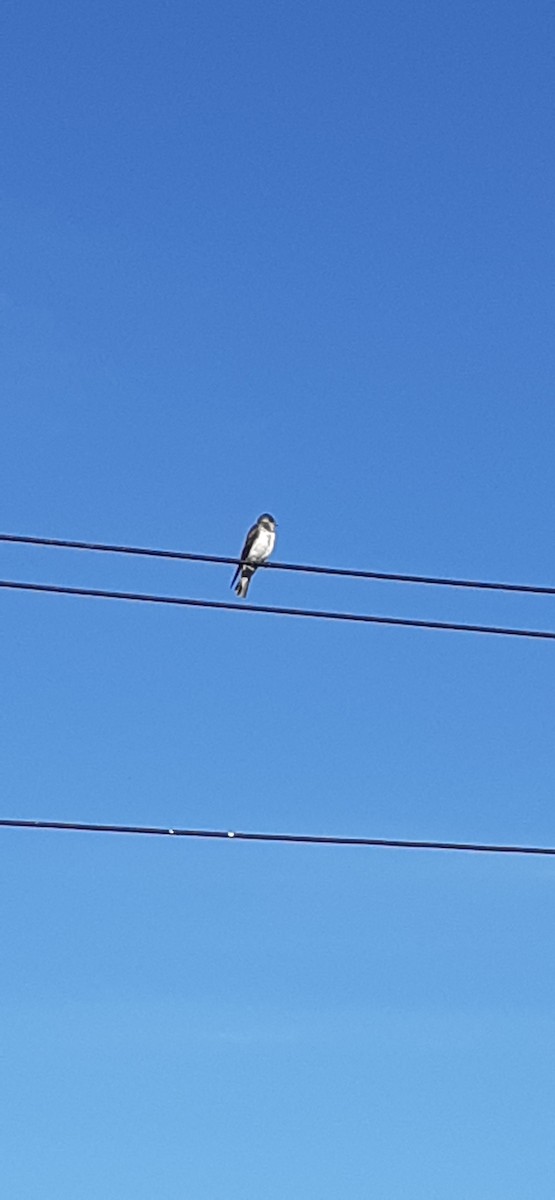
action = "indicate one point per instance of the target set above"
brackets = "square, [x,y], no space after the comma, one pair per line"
[259,543]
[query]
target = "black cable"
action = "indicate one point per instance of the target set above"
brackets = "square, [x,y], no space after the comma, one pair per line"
[297,839]
[343,572]
[275,610]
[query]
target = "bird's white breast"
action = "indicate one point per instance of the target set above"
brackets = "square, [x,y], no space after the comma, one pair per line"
[262,546]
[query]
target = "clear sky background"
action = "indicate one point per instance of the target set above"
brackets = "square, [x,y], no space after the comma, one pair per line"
[296,258]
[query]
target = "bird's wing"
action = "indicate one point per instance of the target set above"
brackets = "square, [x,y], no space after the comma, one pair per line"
[249,541]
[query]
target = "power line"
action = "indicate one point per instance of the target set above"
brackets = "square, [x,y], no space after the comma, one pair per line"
[293,839]
[342,572]
[275,610]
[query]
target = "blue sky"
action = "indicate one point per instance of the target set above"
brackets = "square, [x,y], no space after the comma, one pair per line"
[297,259]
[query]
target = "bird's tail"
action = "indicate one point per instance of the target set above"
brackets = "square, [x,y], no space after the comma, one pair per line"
[244,580]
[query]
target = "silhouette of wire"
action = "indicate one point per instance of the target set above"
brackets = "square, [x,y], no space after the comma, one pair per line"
[294,839]
[341,572]
[275,610]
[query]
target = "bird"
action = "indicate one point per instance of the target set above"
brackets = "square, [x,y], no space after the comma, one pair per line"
[259,543]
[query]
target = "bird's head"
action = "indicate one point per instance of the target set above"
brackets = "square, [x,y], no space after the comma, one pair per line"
[267,521]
